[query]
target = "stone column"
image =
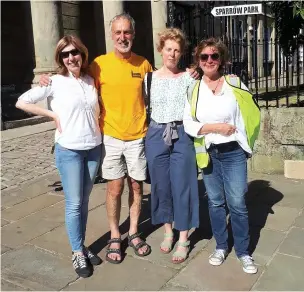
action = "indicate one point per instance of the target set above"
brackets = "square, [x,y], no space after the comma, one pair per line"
[110,9]
[159,21]
[46,32]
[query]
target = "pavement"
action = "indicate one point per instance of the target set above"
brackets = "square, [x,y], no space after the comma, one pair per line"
[35,254]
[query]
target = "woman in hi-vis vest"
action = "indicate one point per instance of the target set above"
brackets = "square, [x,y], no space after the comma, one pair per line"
[224,120]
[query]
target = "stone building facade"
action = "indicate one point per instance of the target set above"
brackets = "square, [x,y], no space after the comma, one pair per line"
[31,30]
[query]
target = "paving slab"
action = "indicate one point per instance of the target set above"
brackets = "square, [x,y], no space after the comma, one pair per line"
[275,218]
[131,275]
[8,286]
[26,131]
[38,270]
[200,275]
[165,260]
[30,206]
[172,287]
[266,243]
[4,222]
[28,190]
[263,244]
[300,220]
[97,234]
[30,227]
[293,244]
[4,249]
[98,196]
[285,273]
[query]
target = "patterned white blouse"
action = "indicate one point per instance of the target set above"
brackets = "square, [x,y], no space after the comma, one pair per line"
[168,96]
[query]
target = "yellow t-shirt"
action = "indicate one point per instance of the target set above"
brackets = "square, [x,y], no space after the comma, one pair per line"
[123,114]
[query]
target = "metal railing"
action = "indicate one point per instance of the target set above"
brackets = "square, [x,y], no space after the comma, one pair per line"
[276,80]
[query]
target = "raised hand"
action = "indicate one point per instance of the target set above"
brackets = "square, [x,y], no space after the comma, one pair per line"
[45,80]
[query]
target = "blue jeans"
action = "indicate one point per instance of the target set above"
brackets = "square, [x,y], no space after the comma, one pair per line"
[226,178]
[77,169]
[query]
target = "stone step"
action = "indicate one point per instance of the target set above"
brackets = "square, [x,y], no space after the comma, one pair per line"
[294,169]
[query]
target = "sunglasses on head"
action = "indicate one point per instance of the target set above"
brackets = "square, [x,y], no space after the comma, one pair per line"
[66,54]
[205,57]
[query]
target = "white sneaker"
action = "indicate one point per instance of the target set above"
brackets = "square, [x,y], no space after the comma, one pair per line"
[248,265]
[218,257]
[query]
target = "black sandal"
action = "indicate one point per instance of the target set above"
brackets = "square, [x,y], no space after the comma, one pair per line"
[113,250]
[141,244]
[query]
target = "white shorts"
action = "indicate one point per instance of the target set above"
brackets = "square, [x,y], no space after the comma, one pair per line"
[121,157]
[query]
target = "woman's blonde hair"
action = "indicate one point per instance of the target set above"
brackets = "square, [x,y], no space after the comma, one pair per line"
[213,43]
[77,43]
[174,34]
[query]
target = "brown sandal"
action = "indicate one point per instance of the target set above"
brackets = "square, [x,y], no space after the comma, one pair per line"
[141,244]
[113,250]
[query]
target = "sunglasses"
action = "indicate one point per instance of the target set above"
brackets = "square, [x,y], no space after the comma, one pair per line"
[66,54]
[205,57]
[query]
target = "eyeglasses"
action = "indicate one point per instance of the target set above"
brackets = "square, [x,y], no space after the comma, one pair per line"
[205,57]
[66,54]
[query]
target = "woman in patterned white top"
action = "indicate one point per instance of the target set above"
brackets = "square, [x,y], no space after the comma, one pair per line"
[75,110]
[169,150]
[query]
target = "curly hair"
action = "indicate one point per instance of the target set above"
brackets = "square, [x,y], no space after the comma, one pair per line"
[174,34]
[77,43]
[214,43]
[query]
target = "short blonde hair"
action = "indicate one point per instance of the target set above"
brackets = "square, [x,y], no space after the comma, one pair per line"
[174,34]
[213,43]
[77,43]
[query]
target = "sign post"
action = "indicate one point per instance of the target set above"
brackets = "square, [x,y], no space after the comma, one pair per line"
[248,9]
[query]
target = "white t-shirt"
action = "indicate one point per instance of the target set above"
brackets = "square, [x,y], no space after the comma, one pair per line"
[75,101]
[212,109]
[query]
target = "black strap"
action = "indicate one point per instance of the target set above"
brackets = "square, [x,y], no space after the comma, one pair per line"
[148,109]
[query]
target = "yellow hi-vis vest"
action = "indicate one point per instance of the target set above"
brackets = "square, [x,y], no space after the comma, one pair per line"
[250,112]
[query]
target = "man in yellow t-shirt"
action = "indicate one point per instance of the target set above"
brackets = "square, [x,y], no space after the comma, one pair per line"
[119,76]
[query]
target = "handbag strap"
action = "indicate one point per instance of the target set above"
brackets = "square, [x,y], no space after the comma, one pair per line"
[149,81]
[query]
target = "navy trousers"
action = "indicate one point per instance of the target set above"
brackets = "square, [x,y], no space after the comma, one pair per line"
[173,173]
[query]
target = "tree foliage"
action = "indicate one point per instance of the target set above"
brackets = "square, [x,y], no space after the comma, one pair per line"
[289,16]
[298,9]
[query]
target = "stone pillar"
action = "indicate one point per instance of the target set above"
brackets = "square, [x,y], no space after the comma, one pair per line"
[46,32]
[159,21]
[110,9]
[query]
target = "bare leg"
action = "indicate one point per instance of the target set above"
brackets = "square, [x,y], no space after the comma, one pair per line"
[113,203]
[135,197]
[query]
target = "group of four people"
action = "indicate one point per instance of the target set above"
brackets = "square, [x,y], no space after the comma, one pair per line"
[191,121]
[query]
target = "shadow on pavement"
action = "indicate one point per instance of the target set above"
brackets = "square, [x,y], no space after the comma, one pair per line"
[145,228]
[260,199]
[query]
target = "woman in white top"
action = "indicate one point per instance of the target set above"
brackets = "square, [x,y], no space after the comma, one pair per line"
[170,151]
[219,120]
[74,102]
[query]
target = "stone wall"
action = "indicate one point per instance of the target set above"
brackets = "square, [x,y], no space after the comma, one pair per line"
[281,138]
[85,20]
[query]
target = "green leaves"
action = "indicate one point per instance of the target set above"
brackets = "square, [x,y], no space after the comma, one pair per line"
[289,18]
[298,9]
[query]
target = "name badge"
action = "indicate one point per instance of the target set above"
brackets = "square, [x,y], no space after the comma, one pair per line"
[135,75]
